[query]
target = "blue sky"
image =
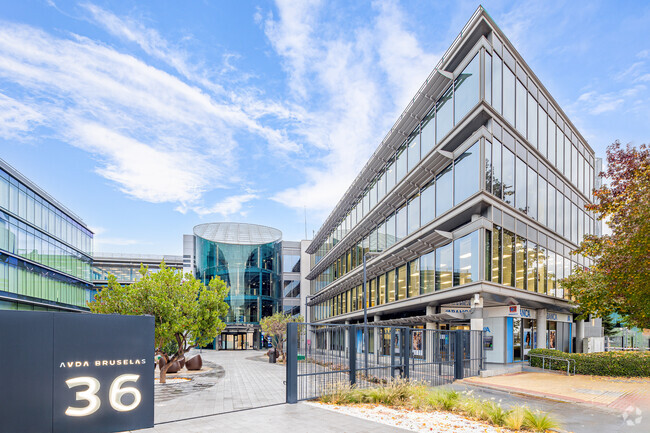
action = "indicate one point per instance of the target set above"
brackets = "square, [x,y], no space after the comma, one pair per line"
[147,118]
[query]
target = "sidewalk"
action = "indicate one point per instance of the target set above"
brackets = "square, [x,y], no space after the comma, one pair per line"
[609,392]
[281,418]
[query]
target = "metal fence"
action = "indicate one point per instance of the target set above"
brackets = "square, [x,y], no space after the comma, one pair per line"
[320,357]
[627,341]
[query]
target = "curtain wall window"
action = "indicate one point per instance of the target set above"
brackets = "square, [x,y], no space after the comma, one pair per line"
[522,97]
[467,89]
[428,140]
[508,169]
[414,213]
[508,248]
[509,95]
[520,186]
[414,278]
[520,261]
[428,203]
[445,114]
[466,259]
[466,166]
[413,150]
[497,85]
[427,272]
[444,267]
[444,190]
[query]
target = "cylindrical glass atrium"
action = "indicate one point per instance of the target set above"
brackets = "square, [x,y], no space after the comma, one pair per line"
[247,258]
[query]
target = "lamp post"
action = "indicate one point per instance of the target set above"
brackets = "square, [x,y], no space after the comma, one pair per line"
[366,343]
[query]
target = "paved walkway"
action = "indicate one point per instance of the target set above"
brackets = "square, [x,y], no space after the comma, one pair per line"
[282,418]
[609,392]
[236,380]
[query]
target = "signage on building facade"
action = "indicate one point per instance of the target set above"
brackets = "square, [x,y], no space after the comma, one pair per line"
[91,373]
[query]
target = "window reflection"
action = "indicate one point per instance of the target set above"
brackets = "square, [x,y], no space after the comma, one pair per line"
[444,190]
[466,259]
[466,167]
[444,262]
[467,88]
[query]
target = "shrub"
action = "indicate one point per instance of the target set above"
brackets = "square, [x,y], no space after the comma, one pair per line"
[538,421]
[623,364]
[444,398]
[494,412]
[472,407]
[514,420]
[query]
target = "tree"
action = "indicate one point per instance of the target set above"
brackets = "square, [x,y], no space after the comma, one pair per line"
[187,314]
[275,326]
[619,280]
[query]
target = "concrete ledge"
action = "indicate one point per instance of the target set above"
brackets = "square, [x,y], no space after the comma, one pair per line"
[508,369]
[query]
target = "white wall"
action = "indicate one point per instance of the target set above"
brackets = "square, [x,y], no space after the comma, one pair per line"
[497,329]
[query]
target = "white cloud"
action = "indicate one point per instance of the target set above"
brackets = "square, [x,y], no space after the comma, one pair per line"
[360,79]
[229,206]
[16,118]
[158,137]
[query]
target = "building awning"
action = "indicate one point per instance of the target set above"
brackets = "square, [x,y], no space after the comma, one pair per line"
[421,320]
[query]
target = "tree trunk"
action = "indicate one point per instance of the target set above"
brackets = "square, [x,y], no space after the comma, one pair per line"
[163,370]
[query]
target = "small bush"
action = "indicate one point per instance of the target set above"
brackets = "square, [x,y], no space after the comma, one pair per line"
[514,420]
[444,398]
[494,413]
[472,407]
[618,364]
[538,421]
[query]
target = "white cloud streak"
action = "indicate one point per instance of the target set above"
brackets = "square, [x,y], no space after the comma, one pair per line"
[359,79]
[158,137]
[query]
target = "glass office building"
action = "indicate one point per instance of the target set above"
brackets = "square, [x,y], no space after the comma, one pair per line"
[45,249]
[126,267]
[247,258]
[471,205]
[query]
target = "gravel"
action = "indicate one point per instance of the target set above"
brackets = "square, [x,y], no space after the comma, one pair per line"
[412,420]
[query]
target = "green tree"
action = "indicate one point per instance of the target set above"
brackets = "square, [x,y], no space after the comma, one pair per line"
[187,314]
[619,280]
[275,326]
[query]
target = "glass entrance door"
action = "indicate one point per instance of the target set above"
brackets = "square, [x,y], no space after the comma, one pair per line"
[516,340]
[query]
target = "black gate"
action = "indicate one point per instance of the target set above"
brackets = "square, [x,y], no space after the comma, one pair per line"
[319,357]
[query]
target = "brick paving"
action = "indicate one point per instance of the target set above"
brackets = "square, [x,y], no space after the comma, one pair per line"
[609,392]
[239,391]
[235,380]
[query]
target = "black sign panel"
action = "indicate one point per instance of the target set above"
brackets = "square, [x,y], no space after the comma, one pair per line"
[94,375]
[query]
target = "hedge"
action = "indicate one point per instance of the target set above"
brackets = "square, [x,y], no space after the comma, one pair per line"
[625,364]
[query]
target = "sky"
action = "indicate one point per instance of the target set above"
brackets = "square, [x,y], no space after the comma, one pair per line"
[147,118]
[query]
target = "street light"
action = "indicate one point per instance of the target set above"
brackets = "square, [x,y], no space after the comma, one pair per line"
[366,343]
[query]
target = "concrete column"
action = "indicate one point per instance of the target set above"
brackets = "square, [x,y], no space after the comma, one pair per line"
[541,328]
[580,335]
[376,331]
[476,315]
[476,324]
[347,338]
[429,340]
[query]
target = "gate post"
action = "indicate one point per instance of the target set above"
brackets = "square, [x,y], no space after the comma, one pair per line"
[458,355]
[292,362]
[406,351]
[392,352]
[352,353]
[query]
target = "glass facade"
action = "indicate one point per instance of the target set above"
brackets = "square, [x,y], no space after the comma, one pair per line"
[252,271]
[525,182]
[45,254]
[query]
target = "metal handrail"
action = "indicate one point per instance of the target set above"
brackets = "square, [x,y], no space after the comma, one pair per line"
[555,358]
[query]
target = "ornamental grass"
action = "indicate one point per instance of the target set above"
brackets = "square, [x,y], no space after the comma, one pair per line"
[416,396]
